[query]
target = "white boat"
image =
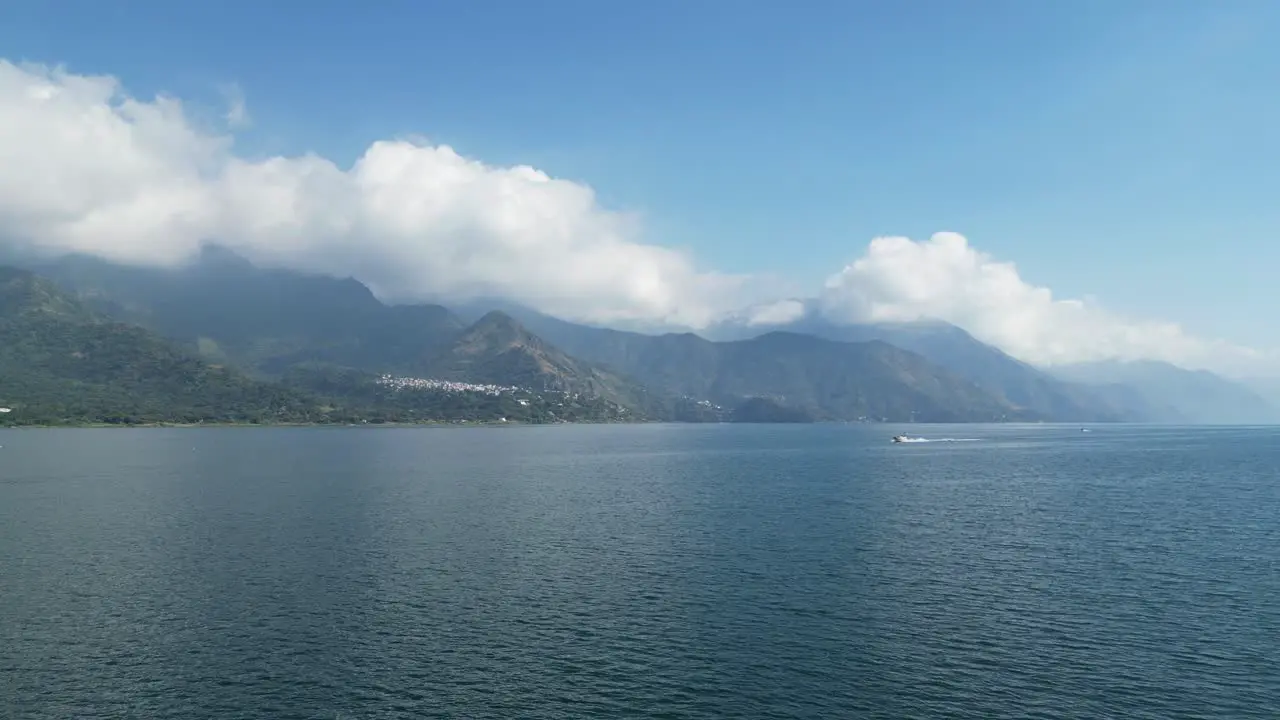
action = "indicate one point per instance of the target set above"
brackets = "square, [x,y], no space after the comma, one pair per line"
[899,438]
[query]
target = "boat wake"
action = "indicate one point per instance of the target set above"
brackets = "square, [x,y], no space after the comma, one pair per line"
[905,439]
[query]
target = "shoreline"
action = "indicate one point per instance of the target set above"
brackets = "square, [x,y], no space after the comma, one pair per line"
[509,423]
[422,424]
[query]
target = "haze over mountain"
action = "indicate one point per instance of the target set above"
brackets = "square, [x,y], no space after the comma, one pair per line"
[988,367]
[1019,384]
[337,322]
[313,332]
[265,320]
[62,362]
[1267,388]
[1191,396]
[271,322]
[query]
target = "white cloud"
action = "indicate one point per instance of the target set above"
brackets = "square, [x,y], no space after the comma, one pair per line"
[781,312]
[237,115]
[86,168]
[944,278]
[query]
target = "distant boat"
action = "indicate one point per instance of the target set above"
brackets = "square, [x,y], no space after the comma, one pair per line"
[899,438]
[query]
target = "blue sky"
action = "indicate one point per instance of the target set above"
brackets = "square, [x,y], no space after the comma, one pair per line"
[1124,150]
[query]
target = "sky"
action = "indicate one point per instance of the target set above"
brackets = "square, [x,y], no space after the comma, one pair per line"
[1068,181]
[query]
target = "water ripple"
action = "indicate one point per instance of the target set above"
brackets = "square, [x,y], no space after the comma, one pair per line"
[649,572]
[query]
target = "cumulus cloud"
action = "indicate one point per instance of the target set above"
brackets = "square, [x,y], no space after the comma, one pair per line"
[86,168]
[944,278]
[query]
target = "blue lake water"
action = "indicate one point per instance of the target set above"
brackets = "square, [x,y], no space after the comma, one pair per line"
[640,571]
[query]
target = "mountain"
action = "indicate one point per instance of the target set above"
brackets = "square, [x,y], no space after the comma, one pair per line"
[1266,388]
[840,380]
[265,321]
[273,322]
[310,329]
[991,369]
[1032,392]
[823,378]
[1178,395]
[498,350]
[62,362]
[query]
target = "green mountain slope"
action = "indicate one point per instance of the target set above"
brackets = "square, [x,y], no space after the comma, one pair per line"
[272,321]
[823,378]
[407,399]
[264,321]
[61,362]
[497,349]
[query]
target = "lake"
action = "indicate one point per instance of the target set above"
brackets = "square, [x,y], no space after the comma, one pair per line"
[673,571]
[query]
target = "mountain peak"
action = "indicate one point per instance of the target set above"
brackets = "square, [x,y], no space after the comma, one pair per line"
[498,319]
[499,349]
[215,256]
[22,292]
[496,330]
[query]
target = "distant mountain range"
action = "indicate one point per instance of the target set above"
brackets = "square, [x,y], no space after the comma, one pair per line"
[332,338]
[1266,388]
[824,378]
[1012,383]
[1175,394]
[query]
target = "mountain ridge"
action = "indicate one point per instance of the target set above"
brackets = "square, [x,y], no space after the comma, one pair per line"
[497,349]
[992,369]
[271,321]
[1063,397]
[1189,395]
[253,330]
[1058,399]
[62,362]
[731,372]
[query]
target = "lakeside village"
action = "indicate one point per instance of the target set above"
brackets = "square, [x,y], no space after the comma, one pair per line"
[449,386]
[553,402]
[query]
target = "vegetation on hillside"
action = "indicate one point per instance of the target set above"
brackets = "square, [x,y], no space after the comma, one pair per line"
[62,363]
[406,399]
[282,327]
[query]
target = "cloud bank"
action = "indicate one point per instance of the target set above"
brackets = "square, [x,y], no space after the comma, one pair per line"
[944,278]
[84,167]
